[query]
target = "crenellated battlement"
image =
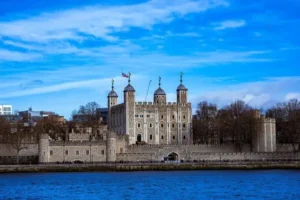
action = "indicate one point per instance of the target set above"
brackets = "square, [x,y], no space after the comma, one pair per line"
[76,143]
[180,145]
[141,104]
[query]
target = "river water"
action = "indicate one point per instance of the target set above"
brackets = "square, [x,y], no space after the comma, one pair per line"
[227,184]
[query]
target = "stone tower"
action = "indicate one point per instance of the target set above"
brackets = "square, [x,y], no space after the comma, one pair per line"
[181,92]
[111,147]
[159,95]
[112,100]
[43,148]
[264,138]
[129,101]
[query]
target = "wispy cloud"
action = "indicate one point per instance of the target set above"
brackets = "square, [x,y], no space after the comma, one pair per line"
[229,24]
[104,83]
[7,55]
[102,22]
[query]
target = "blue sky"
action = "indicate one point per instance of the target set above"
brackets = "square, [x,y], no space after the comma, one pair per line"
[56,55]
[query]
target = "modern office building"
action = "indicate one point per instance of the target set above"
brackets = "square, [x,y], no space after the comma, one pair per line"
[6,110]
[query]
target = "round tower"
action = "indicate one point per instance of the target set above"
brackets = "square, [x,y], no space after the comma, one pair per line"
[44,148]
[129,101]
[112,100]
[181,92]
[159,95]
[111,147]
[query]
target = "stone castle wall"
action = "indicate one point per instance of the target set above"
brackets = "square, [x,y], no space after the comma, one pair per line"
[200,156]
[32,149]
[60,151]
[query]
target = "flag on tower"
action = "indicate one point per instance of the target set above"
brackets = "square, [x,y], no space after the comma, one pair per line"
[125,75]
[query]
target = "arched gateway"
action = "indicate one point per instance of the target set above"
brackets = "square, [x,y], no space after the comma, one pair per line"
[172,156]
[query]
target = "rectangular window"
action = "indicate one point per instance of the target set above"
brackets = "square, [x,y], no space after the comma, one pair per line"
[102,152]
[51,153]
[67,152]
[77,152]
[136,115]
[141,115]
[183,125]
[87,152]
[148,116]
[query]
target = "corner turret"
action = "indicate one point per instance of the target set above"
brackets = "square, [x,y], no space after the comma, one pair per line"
[181,92]
[43,148]
[129,101]
[112,100]
[159,95]
[111,147]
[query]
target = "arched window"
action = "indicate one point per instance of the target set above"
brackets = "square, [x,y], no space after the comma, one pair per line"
[150,125]
[184,137]
[162,125]
[173,125]
[173,116]
[150,136]
[173,137]
[139,125]
[183,116]
[162,116]
[162,137]
[183,125]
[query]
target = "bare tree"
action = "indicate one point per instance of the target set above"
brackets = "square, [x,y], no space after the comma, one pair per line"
[17,134]
[86,117]
[204,126]
[237,123]
[52,126]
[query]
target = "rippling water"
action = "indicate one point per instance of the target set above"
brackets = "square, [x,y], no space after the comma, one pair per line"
[261,184]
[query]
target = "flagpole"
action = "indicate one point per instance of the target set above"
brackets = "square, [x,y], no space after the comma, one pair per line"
[121,84]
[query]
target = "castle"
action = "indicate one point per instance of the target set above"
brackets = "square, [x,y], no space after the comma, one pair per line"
[157,122]
[152,131]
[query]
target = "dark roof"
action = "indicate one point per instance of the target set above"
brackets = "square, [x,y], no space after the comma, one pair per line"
[129,88]
[112,94]
[181,87]
[102,109]
[159,91]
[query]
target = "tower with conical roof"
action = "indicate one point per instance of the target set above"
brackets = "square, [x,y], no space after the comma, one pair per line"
[112,100]
[159,95]
[129,101]
[181,92]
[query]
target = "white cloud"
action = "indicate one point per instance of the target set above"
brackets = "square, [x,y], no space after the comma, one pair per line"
[229,24]
[6,55]
[292,95]
[264,93]
[101,22]
[104,83]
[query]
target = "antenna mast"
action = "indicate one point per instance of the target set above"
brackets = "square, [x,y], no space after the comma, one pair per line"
[147,91]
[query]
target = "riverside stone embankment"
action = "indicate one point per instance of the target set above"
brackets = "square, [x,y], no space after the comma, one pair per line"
[145,167]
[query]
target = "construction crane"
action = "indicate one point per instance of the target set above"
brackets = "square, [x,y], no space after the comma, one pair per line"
[148,90]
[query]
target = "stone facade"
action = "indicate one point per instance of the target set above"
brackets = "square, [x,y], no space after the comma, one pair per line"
[157,122]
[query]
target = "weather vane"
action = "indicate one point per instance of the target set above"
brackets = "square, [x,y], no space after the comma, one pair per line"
[129,75]
[112,83]
[159,79]
[181,74]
